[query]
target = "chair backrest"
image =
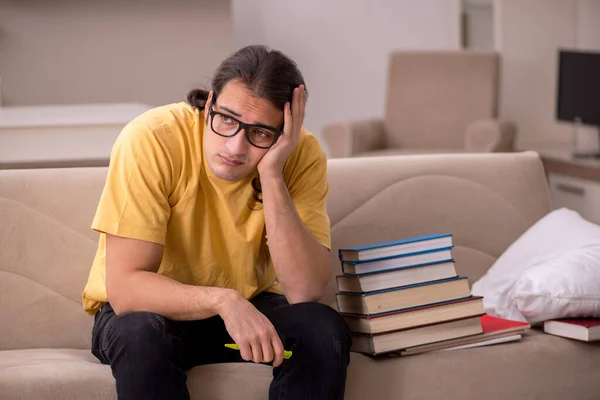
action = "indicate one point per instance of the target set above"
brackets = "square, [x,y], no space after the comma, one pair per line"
[432,97]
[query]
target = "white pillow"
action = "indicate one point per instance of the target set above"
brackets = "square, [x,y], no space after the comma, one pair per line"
[556,233]
[566,286]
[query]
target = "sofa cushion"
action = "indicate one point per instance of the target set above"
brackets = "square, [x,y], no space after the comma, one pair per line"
[46,216]
[404,196]
[49,374]
[505,371]
[492,372]
[46,374]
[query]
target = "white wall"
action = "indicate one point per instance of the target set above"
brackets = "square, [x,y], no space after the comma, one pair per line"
[587,35]
[73,51]
[341,46]
[530,34]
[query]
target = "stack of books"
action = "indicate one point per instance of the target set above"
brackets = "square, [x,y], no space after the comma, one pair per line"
[399,295]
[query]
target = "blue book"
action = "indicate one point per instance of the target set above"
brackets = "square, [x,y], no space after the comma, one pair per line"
[416,259]
[395,248]
[422,294]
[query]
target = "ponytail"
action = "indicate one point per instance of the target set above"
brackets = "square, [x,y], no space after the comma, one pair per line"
[197,98]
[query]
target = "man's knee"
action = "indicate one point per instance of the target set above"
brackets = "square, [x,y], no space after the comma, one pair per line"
[144,352]
[323,329]
[137,334]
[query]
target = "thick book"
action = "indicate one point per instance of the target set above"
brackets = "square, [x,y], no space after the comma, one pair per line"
[382,301]
[494,329]
[397,277]
[584,329]
[416,316]
[397,247]
[397,340]
[406,260]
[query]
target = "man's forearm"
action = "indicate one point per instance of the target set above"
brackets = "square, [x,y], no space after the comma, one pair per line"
[149,291]
[301,262]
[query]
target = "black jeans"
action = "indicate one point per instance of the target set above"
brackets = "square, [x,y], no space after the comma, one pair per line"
[149,354]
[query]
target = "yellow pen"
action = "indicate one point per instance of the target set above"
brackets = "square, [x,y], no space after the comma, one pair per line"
[286,354]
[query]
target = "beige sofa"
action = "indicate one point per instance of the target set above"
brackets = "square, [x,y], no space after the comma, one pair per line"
[435,102]
[486,200]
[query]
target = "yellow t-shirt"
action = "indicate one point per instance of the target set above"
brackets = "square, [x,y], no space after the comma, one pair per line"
[159,188]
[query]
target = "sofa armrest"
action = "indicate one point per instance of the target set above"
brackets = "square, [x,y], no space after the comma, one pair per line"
[490,136]
[350,138]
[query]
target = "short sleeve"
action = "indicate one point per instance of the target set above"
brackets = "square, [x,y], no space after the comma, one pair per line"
[306,173]
[135,199]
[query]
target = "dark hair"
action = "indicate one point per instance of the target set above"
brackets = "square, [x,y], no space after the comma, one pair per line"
[268,73]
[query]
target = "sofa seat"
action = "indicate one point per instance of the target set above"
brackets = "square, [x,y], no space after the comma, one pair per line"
[406,152]
[539,366]
[54,374]
[57,374]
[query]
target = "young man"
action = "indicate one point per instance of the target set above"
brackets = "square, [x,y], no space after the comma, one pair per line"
[214,230]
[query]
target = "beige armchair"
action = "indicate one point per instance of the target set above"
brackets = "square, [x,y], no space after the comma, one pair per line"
[436,102]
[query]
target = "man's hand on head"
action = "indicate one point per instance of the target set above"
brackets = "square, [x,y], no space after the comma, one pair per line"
[271,165]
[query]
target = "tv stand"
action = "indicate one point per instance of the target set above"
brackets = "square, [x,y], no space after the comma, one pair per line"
[586,156]
[590,155]
[573,182]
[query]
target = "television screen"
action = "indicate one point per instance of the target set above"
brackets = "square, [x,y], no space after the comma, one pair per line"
[578,95]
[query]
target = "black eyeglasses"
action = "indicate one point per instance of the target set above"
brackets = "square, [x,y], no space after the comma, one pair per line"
[227,126]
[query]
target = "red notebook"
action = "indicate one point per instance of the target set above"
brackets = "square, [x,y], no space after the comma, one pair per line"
[584,329]
[490,324]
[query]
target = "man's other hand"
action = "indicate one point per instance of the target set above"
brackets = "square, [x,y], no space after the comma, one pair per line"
[251,330]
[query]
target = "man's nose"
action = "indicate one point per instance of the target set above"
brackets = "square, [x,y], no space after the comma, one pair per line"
[238,144]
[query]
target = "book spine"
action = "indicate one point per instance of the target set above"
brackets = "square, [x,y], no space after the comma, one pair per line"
[349,283]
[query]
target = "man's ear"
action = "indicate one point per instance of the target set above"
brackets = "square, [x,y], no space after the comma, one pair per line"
[207,104]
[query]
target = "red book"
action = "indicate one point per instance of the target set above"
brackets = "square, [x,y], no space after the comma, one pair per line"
[491,324]
[584,329]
